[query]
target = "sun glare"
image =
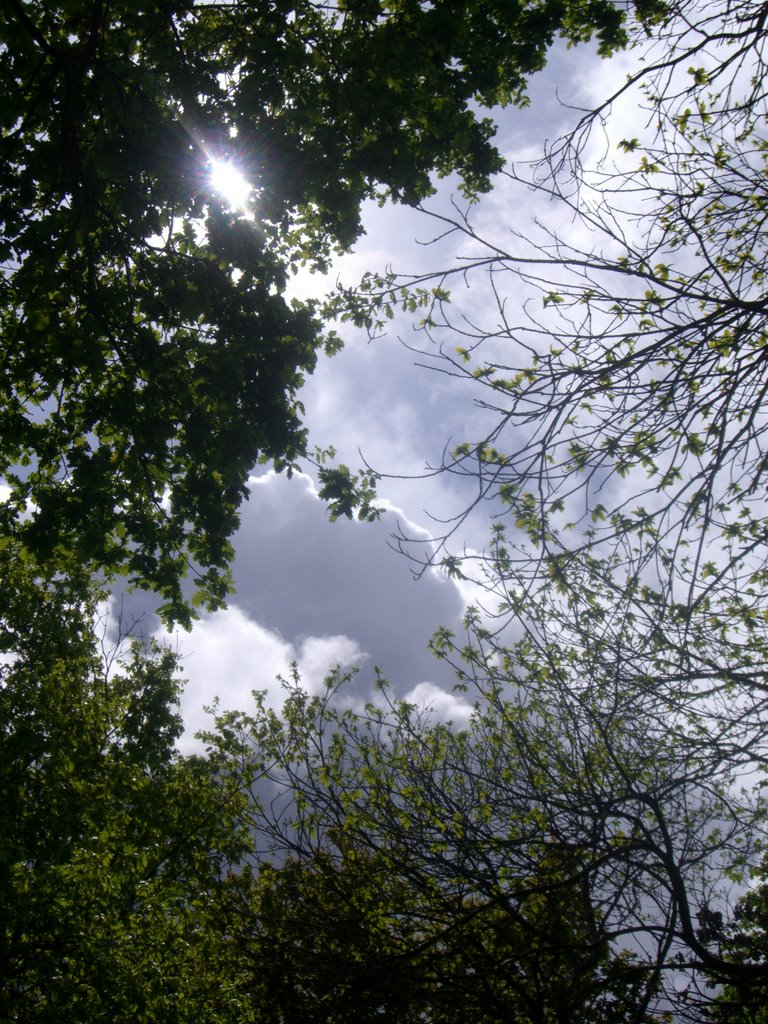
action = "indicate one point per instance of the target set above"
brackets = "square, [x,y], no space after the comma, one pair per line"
[231,185]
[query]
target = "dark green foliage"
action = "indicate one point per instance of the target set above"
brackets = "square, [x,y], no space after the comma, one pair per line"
[113,849]
[744,999]
[150,355]
[439,874]
[350,939]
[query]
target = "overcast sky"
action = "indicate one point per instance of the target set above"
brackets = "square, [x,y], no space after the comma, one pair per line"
[321,593]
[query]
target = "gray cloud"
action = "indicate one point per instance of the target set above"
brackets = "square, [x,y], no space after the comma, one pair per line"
[303,576]
[314,593]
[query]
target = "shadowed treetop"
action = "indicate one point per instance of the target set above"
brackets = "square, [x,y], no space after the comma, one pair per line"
[150,356]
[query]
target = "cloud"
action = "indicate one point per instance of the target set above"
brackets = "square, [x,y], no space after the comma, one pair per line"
[440,704]
[303,576]
[311,592]
[319,655]
[227,656]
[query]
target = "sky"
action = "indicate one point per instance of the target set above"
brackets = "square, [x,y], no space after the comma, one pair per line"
[319,594]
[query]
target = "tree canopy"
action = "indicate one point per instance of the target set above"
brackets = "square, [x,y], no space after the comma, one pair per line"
[401,863]
[621,360]
[745,938]
[625,467]
[151,355]
[114,850]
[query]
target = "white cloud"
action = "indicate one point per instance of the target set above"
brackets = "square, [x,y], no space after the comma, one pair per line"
[319,655]
[227,656]
[447,707]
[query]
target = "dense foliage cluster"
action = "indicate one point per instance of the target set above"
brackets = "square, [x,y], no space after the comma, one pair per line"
[151,356]
[112,846]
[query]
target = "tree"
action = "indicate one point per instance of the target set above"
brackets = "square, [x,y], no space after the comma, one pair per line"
[114,850]
[578,839]
[151,355]
[625,470]
[326,941]
[337,940]
[745,942]
[493,872]
[629,381]
[637,359]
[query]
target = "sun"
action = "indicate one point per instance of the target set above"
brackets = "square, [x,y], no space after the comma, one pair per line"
[230,183]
